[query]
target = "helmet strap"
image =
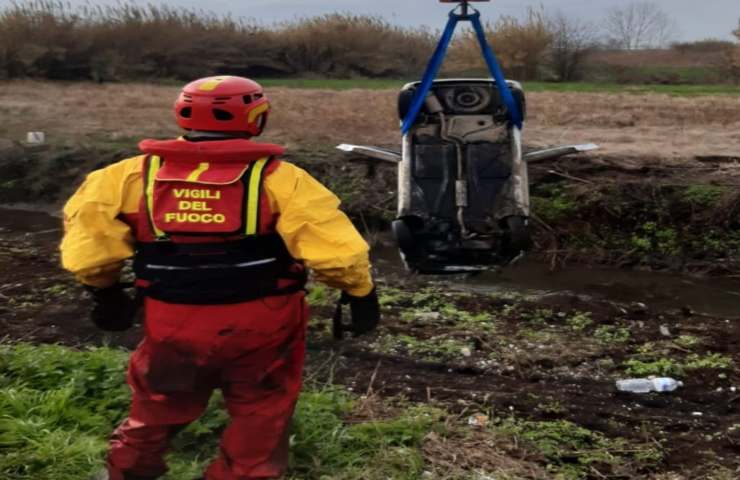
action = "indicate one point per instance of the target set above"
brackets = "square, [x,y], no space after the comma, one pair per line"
[200,135]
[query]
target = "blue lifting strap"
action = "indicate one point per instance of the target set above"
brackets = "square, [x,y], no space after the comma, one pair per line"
[435,63]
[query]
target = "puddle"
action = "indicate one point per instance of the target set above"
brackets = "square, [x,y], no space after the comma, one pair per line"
[25,219]
[716,296]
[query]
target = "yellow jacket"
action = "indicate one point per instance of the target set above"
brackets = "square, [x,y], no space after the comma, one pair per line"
[96,241]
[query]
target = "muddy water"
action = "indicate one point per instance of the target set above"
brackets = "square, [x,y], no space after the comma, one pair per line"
[26,219]
[659,291]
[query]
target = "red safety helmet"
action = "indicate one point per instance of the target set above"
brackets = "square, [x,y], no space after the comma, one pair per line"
[223,104]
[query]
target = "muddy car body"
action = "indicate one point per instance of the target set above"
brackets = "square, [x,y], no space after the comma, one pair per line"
[463,186]
[463,193]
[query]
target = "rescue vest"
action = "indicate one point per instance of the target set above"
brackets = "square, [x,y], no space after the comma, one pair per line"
[207,235]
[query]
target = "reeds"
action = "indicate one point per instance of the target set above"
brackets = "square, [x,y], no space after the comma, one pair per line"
[53,39]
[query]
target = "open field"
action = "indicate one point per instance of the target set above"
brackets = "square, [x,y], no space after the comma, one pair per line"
[534,367]
[623,123]
[575,87]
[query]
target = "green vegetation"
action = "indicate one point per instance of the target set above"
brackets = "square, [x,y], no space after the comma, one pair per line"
[437,348]
[686,341]
[539,316]
[320,295]
[572,87]
[674,90]
[572,451]
[611,334]
[58,405]
[661,366]
[652,238]
[643,367]
[580,321]
[435,306]
[712,361]
[662,226]
[704,195]
[391,296]
[552,203]
[335,83]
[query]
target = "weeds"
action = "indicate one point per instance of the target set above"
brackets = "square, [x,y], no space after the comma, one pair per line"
[437,348]
[661,367]
[704,195]
[611,334]
[687,341]
[671,367]
[714,361]
[580,321]
[552,203]
[58,405]
[104,43]
[572,450]
[538,316]
[321,296]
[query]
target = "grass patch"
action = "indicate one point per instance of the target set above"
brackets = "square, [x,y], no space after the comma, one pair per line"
[552,204]
[437,348]
[335,83]
[320,295]
[58,405]
[673,90]
[567,87]
[704,195]
[580,321]
[574,452]
[671,367]
[611,334]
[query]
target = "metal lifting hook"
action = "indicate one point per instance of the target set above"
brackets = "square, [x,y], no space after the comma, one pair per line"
[464,6]
[515,116]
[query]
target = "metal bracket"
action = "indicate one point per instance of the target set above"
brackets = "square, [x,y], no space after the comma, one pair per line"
[465,8]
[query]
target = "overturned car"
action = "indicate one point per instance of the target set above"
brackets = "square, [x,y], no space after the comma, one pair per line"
[463,188]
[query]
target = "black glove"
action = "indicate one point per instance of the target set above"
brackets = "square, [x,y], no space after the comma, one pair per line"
[364,314]
[114,310]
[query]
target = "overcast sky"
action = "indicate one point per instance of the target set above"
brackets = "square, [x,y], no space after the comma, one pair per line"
[696,19]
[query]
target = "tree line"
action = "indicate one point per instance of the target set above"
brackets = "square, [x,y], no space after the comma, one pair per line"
[51,39]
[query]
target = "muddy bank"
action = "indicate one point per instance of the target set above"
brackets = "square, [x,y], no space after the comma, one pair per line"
[628,212]
[662,192]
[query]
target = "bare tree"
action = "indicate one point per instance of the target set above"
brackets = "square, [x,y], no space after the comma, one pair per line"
[640,24]
[734,57]
[572,39]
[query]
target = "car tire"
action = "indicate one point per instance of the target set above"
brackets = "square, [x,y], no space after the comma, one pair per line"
[519,237]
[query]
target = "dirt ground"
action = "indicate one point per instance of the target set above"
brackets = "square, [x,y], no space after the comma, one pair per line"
[652,126]
[538,359]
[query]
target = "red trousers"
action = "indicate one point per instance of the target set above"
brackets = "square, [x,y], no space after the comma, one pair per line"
[252,351]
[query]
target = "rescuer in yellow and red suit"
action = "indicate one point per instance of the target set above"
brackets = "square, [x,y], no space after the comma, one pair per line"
[221,232]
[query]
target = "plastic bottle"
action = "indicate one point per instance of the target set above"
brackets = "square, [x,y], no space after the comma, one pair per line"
[646,385]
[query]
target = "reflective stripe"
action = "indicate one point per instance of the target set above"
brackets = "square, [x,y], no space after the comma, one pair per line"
[253,196]
[205,267]
[211,84]
[259,110]
[197,172]
[154,164]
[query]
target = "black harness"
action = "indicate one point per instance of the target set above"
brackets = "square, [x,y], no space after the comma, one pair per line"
[218,273]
